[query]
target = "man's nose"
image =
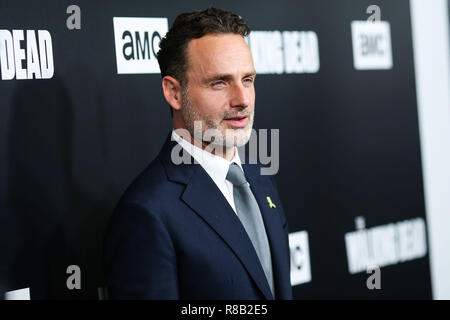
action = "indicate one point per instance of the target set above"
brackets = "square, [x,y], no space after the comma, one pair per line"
[240,96]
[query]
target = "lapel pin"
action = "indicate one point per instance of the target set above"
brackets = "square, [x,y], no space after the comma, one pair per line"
[271,204]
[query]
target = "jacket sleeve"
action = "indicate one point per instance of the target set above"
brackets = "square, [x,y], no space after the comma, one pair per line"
[139,256]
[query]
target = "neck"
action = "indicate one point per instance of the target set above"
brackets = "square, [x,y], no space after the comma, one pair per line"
[225,152]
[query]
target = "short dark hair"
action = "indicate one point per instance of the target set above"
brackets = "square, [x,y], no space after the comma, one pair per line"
[188,26]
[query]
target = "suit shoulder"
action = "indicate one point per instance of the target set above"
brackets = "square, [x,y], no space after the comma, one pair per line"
[149,188]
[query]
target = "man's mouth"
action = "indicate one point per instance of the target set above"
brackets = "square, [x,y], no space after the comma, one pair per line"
[237,121]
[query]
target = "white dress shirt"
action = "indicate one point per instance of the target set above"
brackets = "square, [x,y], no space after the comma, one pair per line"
[216,166]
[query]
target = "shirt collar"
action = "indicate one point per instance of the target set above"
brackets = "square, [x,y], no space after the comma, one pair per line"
[216,166]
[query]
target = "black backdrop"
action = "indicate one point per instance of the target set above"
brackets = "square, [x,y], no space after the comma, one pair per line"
[70,145]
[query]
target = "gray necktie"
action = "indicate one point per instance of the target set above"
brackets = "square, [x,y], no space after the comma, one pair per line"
[248,212]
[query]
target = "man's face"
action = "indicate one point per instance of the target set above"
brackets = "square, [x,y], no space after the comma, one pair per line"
[220,93]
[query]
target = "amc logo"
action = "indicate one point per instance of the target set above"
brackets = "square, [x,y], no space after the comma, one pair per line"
[371,42]
[300,263]
[137,43]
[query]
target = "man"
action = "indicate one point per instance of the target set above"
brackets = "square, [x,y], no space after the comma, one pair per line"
[212,228]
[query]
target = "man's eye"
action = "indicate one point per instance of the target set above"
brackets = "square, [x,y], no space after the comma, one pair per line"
[248,80]
[218,83]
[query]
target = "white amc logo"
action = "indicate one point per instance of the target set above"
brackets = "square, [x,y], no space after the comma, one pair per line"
[371,45]
[137,43]
[38,60]
[300,262]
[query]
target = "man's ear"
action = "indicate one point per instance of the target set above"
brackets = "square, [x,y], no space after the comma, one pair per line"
[172,92]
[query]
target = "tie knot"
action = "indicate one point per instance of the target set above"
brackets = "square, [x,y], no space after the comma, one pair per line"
[236,175]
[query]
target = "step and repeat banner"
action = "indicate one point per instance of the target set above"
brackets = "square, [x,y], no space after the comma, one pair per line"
[82,113]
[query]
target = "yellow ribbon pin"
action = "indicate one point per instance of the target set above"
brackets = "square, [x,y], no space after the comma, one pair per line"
[271,204]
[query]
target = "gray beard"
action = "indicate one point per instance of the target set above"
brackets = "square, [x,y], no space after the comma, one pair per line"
[212,134]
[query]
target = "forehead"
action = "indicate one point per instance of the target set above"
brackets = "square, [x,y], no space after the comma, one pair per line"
[219,53]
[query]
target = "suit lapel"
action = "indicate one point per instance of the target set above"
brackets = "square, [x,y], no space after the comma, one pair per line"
[203,197]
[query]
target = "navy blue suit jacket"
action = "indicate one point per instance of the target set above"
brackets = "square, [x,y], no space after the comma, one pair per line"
[173,235]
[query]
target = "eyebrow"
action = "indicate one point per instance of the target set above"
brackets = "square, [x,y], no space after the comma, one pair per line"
[225,76]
